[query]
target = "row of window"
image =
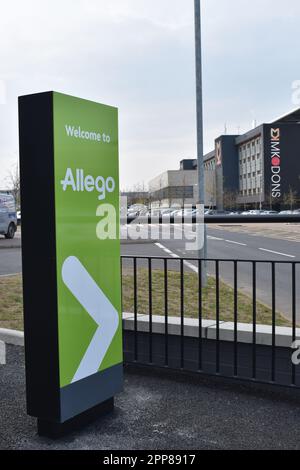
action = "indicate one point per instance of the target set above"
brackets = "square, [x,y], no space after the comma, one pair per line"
[250,149]
[250,160]
[210,165]
[250,192]
[250,175]
[174,192]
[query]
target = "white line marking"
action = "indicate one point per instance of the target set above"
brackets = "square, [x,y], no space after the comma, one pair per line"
[235,243]
[215,238]
[174,255]
[191,266]
[159,245]
[277,253]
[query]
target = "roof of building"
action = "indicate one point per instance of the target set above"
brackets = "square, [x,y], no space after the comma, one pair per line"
[209,155]
[292,116]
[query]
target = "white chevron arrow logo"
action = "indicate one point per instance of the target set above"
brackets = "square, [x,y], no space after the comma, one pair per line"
[97,305]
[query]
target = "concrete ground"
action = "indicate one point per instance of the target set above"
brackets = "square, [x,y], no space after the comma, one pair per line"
[162,411]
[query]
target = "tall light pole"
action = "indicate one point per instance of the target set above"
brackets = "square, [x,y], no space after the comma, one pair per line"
[199,94]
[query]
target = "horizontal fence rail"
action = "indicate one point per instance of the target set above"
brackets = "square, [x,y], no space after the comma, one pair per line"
[216,219]
[177,318]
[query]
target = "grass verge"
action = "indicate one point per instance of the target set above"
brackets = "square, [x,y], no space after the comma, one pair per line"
[226,299]
[11,302]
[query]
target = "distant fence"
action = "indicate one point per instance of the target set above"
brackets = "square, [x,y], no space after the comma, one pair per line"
[217,219]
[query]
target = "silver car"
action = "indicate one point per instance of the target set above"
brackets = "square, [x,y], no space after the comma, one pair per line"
[8,216]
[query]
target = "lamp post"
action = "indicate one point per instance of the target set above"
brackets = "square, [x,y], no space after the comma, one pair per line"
[200,156]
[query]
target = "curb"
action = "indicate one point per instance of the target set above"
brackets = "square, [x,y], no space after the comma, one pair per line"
[284,335]
[12,337]
[2,353]
[10,244]
[10,247]
[191,327]
[138,242]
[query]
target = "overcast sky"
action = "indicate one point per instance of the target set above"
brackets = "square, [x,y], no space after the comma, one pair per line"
[138,55]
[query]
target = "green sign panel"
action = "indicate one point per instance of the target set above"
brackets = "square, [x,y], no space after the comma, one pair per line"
[70,145]
[88,269]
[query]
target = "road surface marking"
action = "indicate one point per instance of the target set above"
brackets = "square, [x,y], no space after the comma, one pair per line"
[277,253]
[210,237]
[159,245]
[166,250]
[97,305]
[235,243]
[174,255]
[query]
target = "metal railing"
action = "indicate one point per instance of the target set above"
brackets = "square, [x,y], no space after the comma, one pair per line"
[217,219]
[251,359]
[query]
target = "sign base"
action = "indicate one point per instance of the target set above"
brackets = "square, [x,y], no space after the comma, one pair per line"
[57,430]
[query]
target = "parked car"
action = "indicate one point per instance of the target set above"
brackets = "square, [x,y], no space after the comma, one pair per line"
[217,212]
[132,214]
[8,216]
[253,212]
[166,212]
[177,213]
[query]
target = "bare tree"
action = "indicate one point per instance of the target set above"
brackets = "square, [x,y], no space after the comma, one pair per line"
[168,196]
[183,190]
[269,199]
[210,188]
[290,198]
[13,181]
[138,194]
[160,195]
[141,194]
[229,199]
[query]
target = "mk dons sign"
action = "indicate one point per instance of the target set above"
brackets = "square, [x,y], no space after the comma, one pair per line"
[276,163]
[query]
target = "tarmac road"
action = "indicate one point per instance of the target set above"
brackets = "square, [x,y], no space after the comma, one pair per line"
[223,245]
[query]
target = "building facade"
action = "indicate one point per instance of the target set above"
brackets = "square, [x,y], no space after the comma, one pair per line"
[175,187]
[259,169]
